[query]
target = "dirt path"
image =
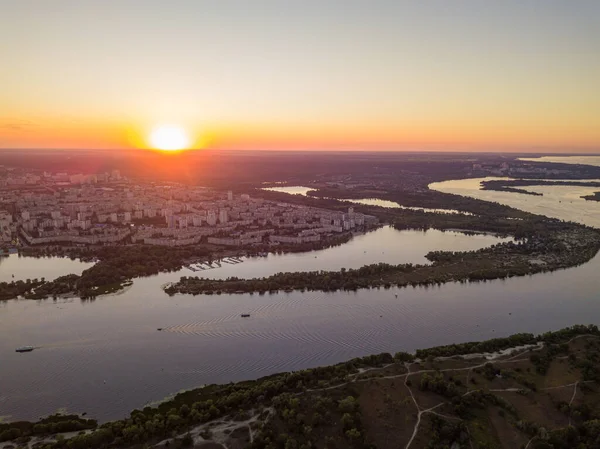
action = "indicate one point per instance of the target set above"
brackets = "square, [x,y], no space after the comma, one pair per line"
[220,429]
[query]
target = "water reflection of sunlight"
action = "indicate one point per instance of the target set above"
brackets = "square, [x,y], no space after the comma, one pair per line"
[562,202]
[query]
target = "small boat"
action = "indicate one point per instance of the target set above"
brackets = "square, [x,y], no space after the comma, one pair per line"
[245,315]
[159,329]
[25,349]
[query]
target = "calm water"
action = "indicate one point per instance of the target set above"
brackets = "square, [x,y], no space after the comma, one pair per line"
[15,268]
[586,160]
[300,190]
[382,245]
[114,339]
[394,205]
[106,357]
[562,202]
[292,190]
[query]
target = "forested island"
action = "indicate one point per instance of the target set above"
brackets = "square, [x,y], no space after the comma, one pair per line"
[540,392]
[116,266]
[541,245]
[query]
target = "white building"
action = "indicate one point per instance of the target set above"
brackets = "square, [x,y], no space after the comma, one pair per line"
[223,216]
[211,218]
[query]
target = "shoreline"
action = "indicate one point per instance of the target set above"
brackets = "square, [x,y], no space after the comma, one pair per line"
[320,381]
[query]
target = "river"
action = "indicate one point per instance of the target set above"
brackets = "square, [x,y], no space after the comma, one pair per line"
[584,160]
[17,268]
[303,191]
[562,202]
[382,245]
[106,357]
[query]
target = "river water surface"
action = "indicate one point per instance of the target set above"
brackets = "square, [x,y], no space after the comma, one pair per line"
[106,357]
[562,202]
[382,245]
[16,268]
[585,160]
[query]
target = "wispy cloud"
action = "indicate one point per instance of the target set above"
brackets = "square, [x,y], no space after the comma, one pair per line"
[17,125]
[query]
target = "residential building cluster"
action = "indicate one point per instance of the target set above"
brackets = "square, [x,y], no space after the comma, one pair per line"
[522,169]
[88,209]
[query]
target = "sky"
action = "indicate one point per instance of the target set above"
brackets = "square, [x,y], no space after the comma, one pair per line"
[302,74]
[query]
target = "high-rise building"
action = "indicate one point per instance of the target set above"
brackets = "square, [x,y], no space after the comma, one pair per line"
[171,221]
[223,216]
[211,218]
[229,195]
[197,220]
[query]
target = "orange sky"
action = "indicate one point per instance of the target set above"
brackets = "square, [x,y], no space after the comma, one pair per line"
[343,75]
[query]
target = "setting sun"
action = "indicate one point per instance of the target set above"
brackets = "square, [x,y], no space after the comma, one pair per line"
[169,138]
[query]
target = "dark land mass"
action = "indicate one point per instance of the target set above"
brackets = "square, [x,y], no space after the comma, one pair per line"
[238,169]
[540,392]
[594,197]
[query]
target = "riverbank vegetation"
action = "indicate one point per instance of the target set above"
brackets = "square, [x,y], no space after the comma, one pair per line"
[544,245]
[333,198]
[115,266]
[379,401]
[22,431]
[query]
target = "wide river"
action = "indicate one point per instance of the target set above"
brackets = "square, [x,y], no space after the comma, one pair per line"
[106,357]
[562,202]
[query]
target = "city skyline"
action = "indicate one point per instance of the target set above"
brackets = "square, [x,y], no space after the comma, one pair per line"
[353,75]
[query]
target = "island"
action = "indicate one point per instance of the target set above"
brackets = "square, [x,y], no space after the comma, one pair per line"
[522,391]
[540,245]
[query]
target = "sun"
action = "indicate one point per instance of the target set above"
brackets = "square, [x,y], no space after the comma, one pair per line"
[169,138]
